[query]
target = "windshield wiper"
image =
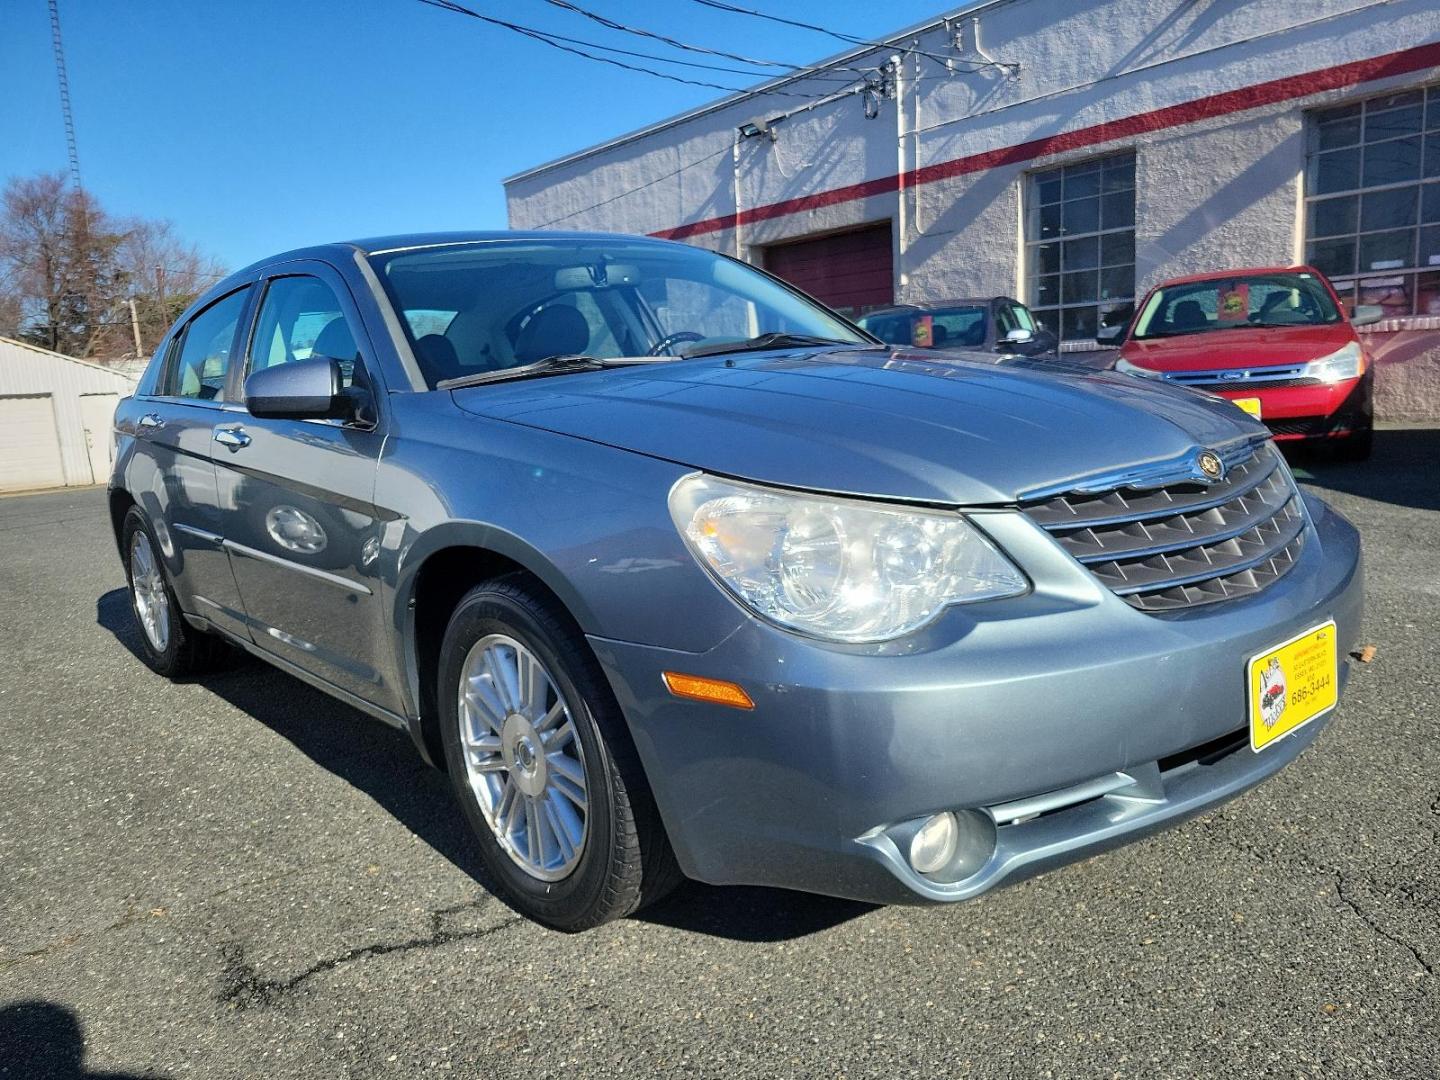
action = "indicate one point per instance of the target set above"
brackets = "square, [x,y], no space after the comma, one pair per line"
[560,364]
[776,340]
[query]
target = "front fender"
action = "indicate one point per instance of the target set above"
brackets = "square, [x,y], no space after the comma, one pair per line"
[589,521]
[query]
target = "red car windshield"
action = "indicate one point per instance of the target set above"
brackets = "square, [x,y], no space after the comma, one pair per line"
[1231,303]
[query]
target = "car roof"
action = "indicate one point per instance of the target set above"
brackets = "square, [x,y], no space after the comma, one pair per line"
[407,241]
[930,305]
[349,249]
[1238,272]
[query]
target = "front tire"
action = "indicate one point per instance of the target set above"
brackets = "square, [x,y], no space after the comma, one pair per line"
[167,643]
[542,764]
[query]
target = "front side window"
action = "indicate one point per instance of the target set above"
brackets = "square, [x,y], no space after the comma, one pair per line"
[1080,245]
[302,317]
[1245,301]
[1372,200]
[509,303]
[1014,317]
[201,355]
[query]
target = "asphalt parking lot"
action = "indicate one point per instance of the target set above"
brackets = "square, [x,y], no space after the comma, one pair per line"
[242,878]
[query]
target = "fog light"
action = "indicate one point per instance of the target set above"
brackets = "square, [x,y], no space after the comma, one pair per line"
[933,845]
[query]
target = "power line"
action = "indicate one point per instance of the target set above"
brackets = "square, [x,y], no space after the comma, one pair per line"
[555,41]
[747,131]
[720,5]
[64,79]
[611,24]
[645,55]
[641,187]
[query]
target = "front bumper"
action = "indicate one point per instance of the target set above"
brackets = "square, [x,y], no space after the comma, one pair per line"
[1316,411]
[1052,692]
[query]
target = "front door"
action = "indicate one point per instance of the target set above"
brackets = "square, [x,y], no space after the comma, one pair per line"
[301,526]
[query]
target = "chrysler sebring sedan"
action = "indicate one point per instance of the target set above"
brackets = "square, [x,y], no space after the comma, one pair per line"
[678,574]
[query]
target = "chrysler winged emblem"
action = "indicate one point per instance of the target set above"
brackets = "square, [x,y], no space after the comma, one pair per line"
[1210,465]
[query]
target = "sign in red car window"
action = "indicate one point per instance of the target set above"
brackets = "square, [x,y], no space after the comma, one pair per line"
[922,332]
[1234,303]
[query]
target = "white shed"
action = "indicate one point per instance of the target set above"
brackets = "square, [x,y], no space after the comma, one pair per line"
[56,418]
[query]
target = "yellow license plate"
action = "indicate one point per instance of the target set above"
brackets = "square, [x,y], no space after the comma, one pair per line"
[1248,404]
[1292,684]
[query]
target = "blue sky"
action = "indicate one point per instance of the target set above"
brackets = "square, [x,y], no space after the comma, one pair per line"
[261,125]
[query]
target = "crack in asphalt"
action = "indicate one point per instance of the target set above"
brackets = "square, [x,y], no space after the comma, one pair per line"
[1304,861]
[132,915]
[243,987]
[1381,932]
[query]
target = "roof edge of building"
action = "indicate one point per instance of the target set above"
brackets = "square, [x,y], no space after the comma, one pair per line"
[60,356]
[974,7]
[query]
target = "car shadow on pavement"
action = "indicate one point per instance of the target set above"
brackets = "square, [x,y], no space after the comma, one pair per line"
[383,763]
[40,1040]
[1400,471]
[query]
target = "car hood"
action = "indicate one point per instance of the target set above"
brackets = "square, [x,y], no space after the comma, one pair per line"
[1244,347]
[898,424]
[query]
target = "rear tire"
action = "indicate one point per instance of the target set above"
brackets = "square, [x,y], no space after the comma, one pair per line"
[534,739]
[168,643]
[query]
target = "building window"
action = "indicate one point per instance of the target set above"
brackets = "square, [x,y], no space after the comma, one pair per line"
[1080,245]
[1372,195]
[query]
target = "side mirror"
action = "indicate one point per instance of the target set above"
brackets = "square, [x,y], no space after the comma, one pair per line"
[311,389]
[1110,335]
[1366,314]
[1019,336]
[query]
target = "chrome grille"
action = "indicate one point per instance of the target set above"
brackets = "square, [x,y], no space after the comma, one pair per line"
[1185,543]
[1260,378]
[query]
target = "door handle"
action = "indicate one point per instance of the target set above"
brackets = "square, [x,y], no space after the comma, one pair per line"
[232,437]
[152,422]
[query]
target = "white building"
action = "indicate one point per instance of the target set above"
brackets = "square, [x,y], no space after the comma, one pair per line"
[1069,154]
[56,418]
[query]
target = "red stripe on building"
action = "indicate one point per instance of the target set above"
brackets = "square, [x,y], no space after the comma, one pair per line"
[1231,101]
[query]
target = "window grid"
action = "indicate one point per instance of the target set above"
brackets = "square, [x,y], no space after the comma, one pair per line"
[1372,200]
[1080,245]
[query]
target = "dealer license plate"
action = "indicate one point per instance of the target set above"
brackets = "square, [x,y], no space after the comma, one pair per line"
[1250,405]
[1292,684]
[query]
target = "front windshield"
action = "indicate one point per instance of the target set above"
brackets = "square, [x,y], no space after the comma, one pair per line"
[486,306]
[1234,303]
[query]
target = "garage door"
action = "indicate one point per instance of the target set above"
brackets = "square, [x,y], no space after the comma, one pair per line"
[29,443]
[852,272]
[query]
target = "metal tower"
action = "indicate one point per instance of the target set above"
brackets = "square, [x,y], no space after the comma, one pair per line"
[64,92]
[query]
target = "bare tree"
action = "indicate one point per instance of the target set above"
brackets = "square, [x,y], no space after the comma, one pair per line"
[68,269]
[163,273]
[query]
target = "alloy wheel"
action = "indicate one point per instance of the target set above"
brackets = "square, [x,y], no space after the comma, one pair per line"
[147,586]
[523,757]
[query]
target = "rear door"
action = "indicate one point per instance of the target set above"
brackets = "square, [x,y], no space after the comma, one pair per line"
[170,471]
[300,523]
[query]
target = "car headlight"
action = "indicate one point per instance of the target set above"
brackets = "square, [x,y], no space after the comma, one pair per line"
[1344,363]
[837,569]
[1135,369]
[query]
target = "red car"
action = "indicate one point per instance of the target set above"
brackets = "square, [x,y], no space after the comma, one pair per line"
[1276,341]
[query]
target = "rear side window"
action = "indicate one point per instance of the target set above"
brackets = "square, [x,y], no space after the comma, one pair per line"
[202,352]
[300,318]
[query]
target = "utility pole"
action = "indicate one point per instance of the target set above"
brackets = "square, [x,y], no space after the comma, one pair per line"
[135,329]
[64,81]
